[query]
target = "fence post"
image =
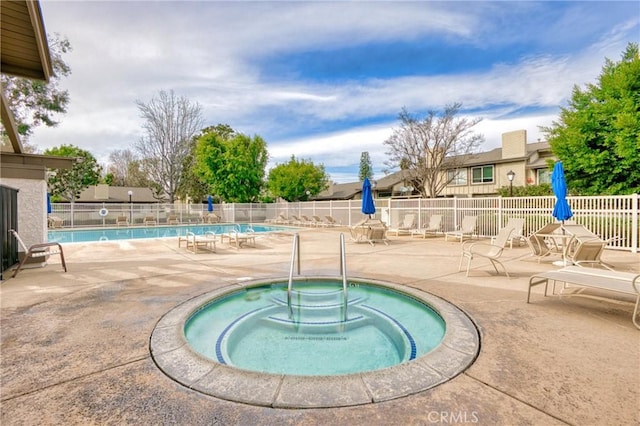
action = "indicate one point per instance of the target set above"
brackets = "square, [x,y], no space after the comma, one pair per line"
[634,224]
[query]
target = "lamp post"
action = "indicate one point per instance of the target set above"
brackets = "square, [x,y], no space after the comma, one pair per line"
[510,175]
[130,193]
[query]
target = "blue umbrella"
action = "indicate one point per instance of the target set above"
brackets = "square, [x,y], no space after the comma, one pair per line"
[561,210]
[49,210]
[210,203]
[367,198]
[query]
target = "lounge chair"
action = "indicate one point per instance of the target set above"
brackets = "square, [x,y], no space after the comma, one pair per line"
[122,220]
[211,218]
[330,221]
[318,222]
[239,239]
[193,241]
[587,251]
[370,231]
[408,224]
[305,221]
[54,222]
[518,231]
[467,229]
[38,250]
[434,226]
[173,219]
[543,242]
[149,220]
[491,251]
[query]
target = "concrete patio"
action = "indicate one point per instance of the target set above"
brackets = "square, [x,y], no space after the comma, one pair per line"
[75,345]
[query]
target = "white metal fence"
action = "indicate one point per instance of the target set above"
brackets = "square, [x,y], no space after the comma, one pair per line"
[607,216]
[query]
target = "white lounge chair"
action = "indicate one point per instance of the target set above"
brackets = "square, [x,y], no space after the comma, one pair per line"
[491,251]
[370,231]
[467,229]
[434,226]
[38,250]
[122,220]
[194,242]
[330,221]
[518,231]
[408,224]
[149,220]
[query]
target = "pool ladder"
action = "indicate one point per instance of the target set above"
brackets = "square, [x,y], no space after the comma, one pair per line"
[295,260]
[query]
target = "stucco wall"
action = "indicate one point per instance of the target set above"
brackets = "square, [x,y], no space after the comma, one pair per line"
[32,209]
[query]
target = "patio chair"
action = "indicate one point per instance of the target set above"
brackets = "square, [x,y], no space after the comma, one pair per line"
[239,239]
[193,241]
[305,221]
[54,222]
[434,226]
[543,242]
[37,251]
[370,231]
[467,229]
[172,219]
[407,225]
[587,251]
[149,220]
[122,220]
[491,251]
[330,220]
[317,222]
[518,230]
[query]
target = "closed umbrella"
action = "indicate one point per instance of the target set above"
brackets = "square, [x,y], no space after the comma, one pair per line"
[562,210]
[210,203]
[368,207]
[49,210]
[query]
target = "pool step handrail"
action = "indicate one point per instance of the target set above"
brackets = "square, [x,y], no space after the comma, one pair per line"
[295,260]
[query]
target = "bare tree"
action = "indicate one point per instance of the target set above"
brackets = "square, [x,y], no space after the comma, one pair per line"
[427,148]
[170,123]
[120,162]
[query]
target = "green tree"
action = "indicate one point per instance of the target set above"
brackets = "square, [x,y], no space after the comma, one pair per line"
[428,147]
[297,180]
[36,102]
[366,170]
[598,135]
[69,183]
[170,123]
[231,164]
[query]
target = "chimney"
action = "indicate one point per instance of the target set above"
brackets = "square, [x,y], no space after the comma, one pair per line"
[514,144]
[101,192]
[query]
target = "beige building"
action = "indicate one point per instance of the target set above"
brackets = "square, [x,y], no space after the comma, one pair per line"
[481,174]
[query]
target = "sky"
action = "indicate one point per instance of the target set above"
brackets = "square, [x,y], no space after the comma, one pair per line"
[325,81]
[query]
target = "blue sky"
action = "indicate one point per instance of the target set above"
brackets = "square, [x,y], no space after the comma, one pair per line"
[325,81]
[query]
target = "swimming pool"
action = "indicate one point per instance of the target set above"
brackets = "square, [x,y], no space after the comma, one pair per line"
[146,232]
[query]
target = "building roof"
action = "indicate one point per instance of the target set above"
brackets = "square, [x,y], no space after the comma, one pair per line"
[116,194]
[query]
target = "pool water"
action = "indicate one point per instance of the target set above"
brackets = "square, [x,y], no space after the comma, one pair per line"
[254,329]
[142,232]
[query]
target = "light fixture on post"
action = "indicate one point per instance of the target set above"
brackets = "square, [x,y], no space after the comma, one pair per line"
[130,193]
[510,175]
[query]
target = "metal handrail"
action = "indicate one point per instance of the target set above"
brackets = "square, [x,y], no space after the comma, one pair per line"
[295,252]
[343,271]
[295,255]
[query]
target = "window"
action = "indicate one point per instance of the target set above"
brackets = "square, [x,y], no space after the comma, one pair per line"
[482,174]
[457,177]
[544,176]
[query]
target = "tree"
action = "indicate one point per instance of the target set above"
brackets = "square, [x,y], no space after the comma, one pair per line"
[598,134]
[431,146]
[366,170]
[231,164]
[69,183]
[171,122]
[35,102]
[120,166]
[297,180]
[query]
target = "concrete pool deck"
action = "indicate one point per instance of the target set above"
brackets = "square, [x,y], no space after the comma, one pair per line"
[75,346]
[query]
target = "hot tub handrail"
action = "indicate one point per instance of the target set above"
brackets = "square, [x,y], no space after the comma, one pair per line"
[295,253]
[343,271]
